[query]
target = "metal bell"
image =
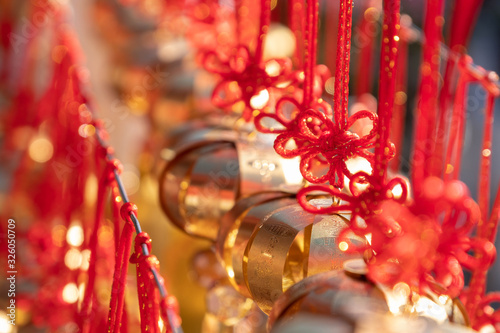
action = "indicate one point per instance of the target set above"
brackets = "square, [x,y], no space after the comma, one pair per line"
[211,168]
[267,243]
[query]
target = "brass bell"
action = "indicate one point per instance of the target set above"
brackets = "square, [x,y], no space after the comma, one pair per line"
[213,167]
[350,296]
[267,243]
[330,295]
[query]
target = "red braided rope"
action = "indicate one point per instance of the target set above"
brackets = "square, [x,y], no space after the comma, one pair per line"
[116,306]
[384,149]
[311,49]
[297,26]
[422,163]
[339,69]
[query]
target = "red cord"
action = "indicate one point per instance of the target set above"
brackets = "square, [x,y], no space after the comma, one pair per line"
[384,149]
[347,59]
[422,163]
[366,34]
[311,49]
[399,113]
[264,23]
[116,307]
[106,181]
[339,70]
[296,24]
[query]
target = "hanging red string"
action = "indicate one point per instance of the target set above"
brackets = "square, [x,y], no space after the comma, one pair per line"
[384,149]
[422,163]
[247,81]
[89,301]
[488,224]
[363,203]
[462,23]
[116,306]
[399,113]
[365,34]
[296,23]
[320,142]
[150,305]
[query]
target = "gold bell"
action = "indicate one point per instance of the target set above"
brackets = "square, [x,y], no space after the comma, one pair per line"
[333,298]
[267,243]
[213,167]
[349,295]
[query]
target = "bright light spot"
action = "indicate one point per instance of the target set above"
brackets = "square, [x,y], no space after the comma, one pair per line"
[330,85]
[161,325]
[90,192]
[279,42]
[70,293]
[343,246]
[73,259]
[487,329]
[81,294]
[230,272]
[86,130]
[449,168]
[5,326]
[291,171]
[427,308]
[40,150]
[260,100]
[401,289]
[272,68]
[397,298]
[85,260]
[369,238]
[358,164]
[75,234]
[355,165]
[443,299]
[486,152]
[396,38]
[397,191]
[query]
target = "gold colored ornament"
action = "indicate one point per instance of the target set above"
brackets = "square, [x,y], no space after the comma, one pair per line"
[349,295]
[267,243]
[213,167]
[329,295]
[237,227]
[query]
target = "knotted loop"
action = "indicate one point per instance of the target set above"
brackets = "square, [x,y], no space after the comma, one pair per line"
[319,142]
[365,114]
[485,254]
[245,84]
[337,195]
[112,166]
[126,210]
[490,83]
[138,255]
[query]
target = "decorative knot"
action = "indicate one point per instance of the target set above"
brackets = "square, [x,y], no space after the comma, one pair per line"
[320,142]
[245,84]
[127,209]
